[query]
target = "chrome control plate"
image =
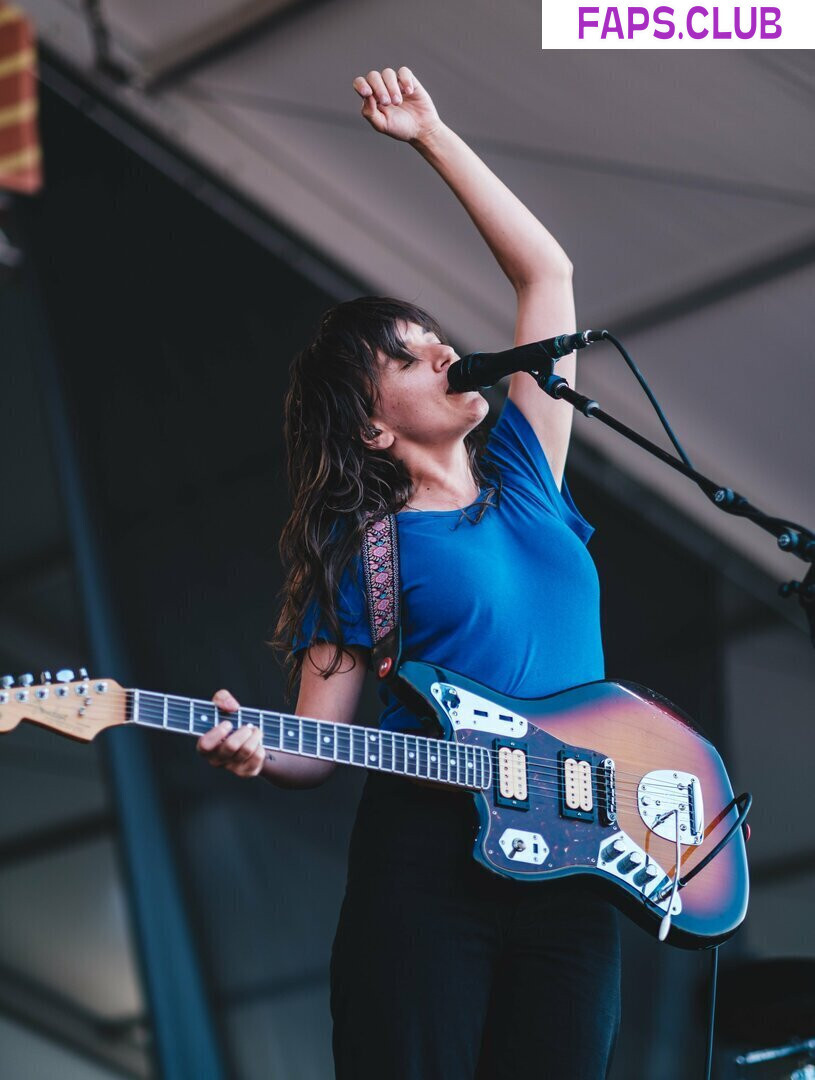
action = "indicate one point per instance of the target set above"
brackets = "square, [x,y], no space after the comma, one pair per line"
[619,857]
[470,711]
[522,846]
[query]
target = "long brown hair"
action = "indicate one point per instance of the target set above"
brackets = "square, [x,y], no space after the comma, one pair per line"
[337,483]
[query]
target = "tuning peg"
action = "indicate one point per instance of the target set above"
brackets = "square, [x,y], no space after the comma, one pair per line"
[7,682]
[45,676]
[83,673]
[25,680]
[65,675]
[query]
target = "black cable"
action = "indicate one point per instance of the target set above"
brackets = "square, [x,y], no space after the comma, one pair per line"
[731,498]
[714,972]
[618,345]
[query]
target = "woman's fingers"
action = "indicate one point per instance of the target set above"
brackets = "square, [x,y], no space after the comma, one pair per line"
[377,84]
[214,737]
[386,87]
[362,86]
[224,700]
[406,79]
[392,86]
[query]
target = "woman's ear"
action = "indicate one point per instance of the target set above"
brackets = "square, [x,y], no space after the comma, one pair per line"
[375,438]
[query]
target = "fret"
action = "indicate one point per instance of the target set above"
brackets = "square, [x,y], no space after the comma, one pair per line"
[410,764]
[357,746]
[150,708]
[421,756]
[399,754]
[249,716]
[308,739]
[469,761]
[291,734]
[479,759]
[270,730]
[326,741]
[455,763]
[386,751]
[372,750]
[444,764]
[135,715]
[205,716]
[176,714]
[433,759]
[342,734]
[164,712]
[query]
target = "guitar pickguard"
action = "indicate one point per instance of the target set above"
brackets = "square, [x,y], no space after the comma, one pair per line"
[467,710]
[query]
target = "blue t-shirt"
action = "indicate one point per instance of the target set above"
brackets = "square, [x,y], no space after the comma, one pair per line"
[512,602]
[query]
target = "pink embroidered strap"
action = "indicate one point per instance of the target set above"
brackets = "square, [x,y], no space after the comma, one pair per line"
[380,550]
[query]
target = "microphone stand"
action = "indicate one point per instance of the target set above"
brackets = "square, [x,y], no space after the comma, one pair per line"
[792,538]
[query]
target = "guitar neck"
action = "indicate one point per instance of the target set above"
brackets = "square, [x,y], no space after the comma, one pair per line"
[347,744]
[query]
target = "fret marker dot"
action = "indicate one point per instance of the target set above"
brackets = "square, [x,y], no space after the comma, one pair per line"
[203,718]
[411,754]
[372,757]
[290,734]
[452,761]
[372,738]
[432,757]
[326,739]
[469,764]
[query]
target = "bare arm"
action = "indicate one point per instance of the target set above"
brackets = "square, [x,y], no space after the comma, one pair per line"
[396,104]
[334,699]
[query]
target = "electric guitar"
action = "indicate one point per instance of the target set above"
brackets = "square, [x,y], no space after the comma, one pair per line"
[607,779]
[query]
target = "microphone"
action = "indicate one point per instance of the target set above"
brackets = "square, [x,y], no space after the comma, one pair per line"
[480,370]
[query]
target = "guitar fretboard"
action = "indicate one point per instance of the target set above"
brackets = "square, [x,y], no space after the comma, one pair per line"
[348,744]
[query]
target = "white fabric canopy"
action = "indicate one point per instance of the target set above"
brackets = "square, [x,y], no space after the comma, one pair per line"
[681,186]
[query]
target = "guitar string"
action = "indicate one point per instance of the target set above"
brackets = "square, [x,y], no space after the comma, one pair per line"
[548,788]
[552,764]
[155,710]
[546,762]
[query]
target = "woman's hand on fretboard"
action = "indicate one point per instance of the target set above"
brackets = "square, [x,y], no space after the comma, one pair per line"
[241,750]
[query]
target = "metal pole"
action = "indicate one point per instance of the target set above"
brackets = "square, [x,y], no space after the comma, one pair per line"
[183,1028]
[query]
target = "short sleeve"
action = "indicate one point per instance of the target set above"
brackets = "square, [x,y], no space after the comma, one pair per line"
[516,450]
[351,611]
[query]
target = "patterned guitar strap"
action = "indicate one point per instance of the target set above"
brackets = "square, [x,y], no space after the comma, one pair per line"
[380,550]
[380,558]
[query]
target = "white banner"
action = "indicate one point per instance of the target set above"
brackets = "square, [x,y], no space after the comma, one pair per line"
[591,24]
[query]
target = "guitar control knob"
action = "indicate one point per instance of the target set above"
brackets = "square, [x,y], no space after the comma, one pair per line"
[613,850]
[630,862]
[647,874]
[7,682]
[25,680]
[450,698]
[45,676]
[65,675]
[82,673]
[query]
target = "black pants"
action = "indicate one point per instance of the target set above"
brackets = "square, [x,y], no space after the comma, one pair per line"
[442,970]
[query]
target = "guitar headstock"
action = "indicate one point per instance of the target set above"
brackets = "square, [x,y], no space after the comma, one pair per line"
[76,706]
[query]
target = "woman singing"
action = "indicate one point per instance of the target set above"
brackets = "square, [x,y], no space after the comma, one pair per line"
[441,970]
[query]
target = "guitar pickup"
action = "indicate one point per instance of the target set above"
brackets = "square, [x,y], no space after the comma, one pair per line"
[511,786]
[576,787]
